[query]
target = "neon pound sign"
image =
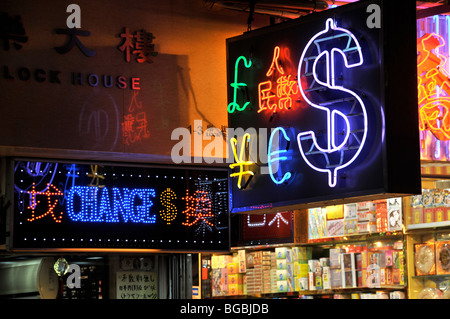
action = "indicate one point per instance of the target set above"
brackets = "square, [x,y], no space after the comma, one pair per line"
[235,106]
[285,88]
[325,57]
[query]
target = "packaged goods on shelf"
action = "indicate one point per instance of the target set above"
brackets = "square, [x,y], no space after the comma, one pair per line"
[425,260]
[301,253]
[280,252]
[289,269]
[350,226]
[394,214]
[335,261]
[242,261]
[326,282]
[428,207]
[397,295]
[232,268]
[366,211]
[417,209]
[317,223]
[433,205]
[301,283]
[335,227]
[348,270]
[282,286]
[381,215]
[335,278]
[350,211]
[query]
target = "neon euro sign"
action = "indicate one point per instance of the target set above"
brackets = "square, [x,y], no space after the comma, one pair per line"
[274,156]
[346,115]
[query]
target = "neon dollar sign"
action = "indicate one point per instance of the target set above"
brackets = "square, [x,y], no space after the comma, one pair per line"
[323,66]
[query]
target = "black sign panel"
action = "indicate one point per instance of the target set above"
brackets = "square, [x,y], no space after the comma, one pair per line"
[323,108]
[94,206]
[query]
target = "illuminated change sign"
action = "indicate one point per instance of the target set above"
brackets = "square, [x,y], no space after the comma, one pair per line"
[325,105]
[96,206]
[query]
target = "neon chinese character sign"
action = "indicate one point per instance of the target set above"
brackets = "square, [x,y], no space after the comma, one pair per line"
[433,87]
[322,97]
[61,206]
[285,87]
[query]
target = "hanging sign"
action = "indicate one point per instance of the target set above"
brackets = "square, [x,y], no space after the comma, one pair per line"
[95,206]
[321,108]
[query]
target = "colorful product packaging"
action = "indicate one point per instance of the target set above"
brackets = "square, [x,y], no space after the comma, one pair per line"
[242,261]
[326,277]
[280,252]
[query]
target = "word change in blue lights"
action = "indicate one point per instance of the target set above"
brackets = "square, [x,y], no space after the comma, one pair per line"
[274,158]
[101,204]
[320,83]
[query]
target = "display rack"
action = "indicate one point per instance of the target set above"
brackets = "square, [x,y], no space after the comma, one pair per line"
[318,250]
[433,231]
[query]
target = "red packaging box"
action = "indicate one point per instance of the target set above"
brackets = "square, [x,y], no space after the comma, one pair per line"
[429,215]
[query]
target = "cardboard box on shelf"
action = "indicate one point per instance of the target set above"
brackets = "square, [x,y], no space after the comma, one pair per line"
[301,253]
[280,252]
[417,213]
[335,278]
[326,277]
[232,268]
[281,264]
[335,257]
[350,211]
[301,283]
[282,274]
[389,258]
[429,215]
[282,285]
[300,269]
[348,270]
[335,227]
[311,281]
[235,289]
[350,226]
[314,266]
[242,261]
[235,279]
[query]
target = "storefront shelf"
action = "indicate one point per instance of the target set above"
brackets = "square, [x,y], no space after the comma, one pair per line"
[433,277]
[296,294]
[429,225]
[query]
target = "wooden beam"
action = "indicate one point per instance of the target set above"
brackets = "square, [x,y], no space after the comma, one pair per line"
[445,8]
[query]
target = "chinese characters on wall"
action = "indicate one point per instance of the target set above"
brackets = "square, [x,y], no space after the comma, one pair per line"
[137,285]
[140,44]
